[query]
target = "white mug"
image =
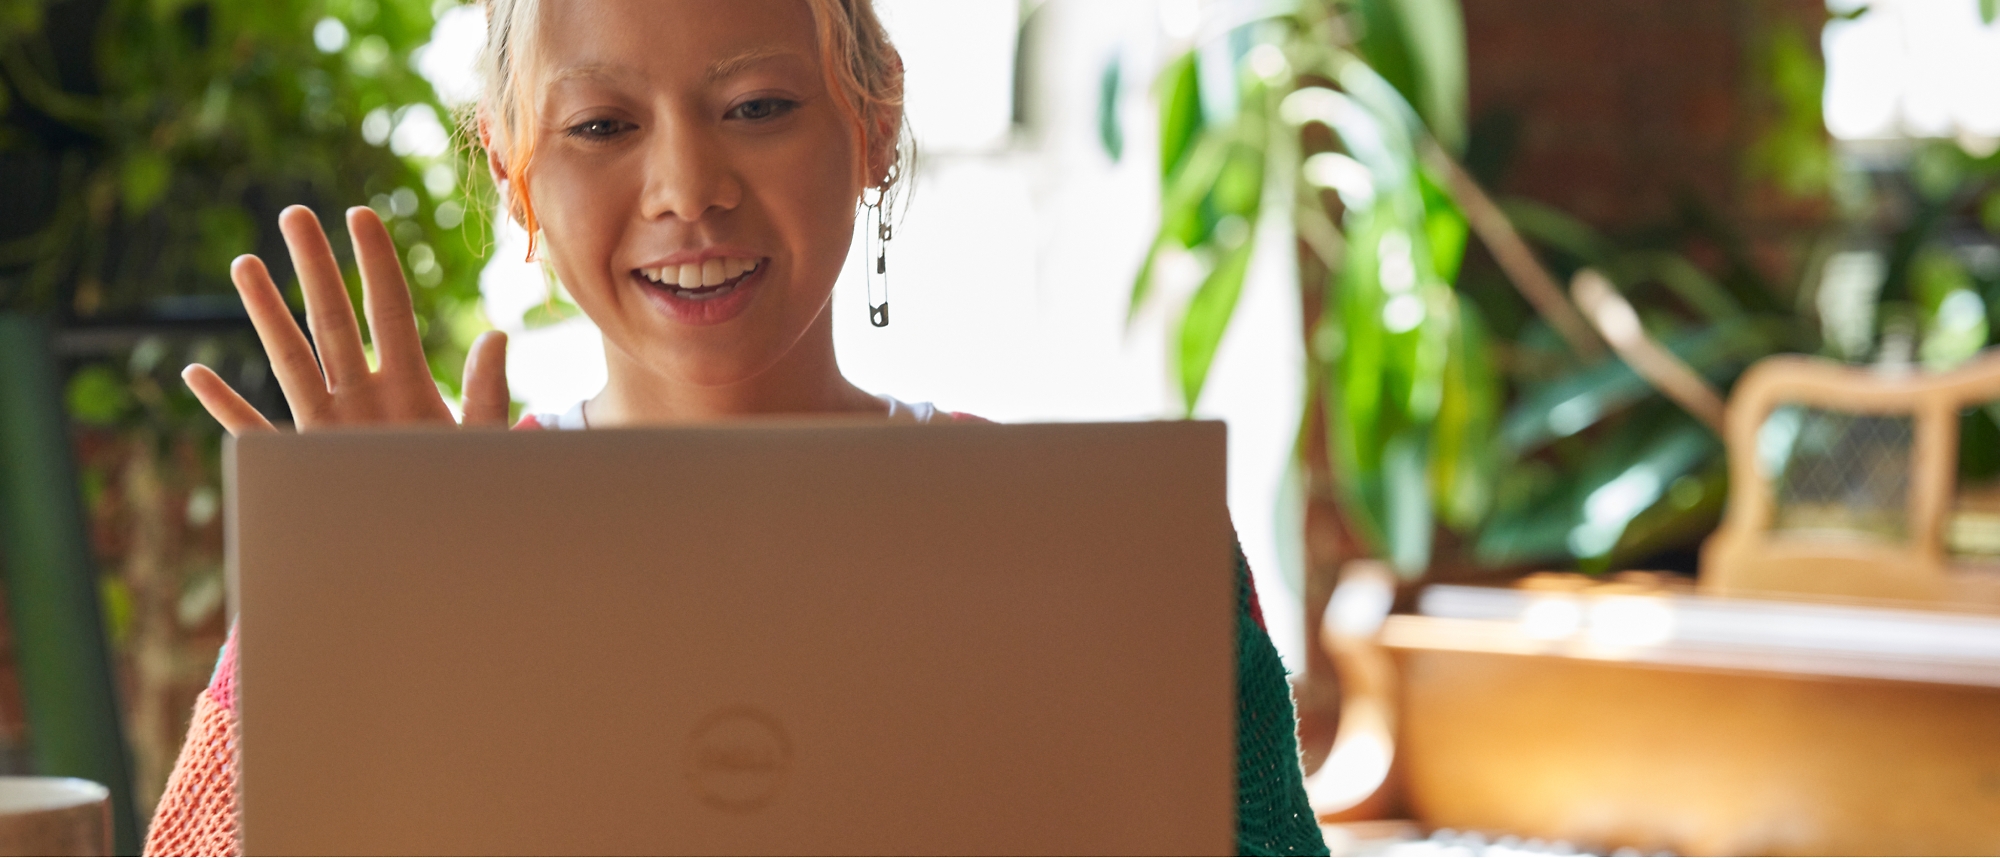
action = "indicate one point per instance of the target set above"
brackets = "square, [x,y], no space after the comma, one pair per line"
[54,816]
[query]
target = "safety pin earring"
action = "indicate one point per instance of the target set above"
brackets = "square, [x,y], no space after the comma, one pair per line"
[879,233]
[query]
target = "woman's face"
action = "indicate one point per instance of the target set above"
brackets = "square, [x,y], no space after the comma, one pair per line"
[694,178]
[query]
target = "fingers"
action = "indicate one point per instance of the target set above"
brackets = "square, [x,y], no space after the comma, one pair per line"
[385,295]
[486,398]
[291,356]
[328,311]
[222,403]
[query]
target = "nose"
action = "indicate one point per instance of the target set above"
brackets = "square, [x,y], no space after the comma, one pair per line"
[688,175]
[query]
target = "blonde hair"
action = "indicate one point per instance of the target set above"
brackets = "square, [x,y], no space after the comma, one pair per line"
[862,69]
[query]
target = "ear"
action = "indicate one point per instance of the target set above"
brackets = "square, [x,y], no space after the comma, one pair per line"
[885,126]
[885,132]
[496,164]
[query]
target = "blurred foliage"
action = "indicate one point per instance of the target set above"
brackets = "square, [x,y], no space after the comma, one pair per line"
[1793,150]
[1398,360]
[146,143]
[143,145]
[1896,268]
[152,488]
[1445,399]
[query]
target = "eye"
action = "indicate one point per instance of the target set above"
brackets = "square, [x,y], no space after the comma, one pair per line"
[763,108]
[598,129]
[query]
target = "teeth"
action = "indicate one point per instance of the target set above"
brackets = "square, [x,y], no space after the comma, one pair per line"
[712,272]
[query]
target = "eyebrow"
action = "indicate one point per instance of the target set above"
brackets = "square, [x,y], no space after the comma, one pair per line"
[731,65]
[716,71]
[602,72]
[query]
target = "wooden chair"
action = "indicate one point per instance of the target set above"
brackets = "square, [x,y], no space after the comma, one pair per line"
[1844,485]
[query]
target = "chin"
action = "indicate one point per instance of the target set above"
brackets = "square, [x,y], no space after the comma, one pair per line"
[716,367]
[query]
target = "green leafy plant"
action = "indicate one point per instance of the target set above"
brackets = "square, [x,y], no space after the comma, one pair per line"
[1396,360]
[1526,439]
[149,143]
[143,145]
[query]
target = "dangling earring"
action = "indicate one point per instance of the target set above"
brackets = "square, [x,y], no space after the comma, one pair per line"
[876,256]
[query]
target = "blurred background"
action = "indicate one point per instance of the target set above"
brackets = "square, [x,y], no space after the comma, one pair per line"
[1292,215]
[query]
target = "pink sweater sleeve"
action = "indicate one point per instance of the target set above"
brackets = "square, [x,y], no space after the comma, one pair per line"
[197,813]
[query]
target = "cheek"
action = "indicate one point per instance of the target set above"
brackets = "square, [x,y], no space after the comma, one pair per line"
[579,208]
[809,188]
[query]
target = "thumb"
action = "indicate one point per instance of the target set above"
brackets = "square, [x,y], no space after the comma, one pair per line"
[486,397]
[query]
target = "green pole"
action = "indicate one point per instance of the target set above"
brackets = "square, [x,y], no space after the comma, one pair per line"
[51,581]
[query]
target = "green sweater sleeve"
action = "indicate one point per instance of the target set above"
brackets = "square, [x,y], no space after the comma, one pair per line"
[1272,814]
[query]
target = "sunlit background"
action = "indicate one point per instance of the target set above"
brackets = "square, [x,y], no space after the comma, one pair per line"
[1913,68]
[1430,448]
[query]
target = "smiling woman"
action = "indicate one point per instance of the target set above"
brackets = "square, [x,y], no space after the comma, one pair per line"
[643,139]
[691,172]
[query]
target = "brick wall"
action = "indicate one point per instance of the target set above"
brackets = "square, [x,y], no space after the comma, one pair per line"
[1613,109]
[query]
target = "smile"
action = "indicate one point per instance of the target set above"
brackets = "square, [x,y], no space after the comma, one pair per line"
[706,281]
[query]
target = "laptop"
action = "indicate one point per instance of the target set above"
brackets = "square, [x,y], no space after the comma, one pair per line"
[758,638]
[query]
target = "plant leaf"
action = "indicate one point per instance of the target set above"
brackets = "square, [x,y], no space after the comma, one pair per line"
[1364,131]
[1686,514]
[1181,201]
[1400,120]
[1385,46]
[1680,276]
[1445,228]
[1463,444]
[1581,399]
[1181,118]
[1407,503]
[1109,132]
[1418,47]
[143,181]
[1188,207]
[1142,283]
[1555,229]
[1434,31]
[1355,400]
[1239,187]
[1583,513]
[98,395]
[1621,495]
[1208,315]
[550,312]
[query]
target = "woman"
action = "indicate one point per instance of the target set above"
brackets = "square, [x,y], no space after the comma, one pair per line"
[691,170]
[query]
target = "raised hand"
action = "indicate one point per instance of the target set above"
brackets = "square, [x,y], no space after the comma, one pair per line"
[336,388]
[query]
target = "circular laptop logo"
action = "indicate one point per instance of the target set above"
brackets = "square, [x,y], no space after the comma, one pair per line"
[737,759]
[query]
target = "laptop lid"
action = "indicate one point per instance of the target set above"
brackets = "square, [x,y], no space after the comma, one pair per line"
[765,638]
